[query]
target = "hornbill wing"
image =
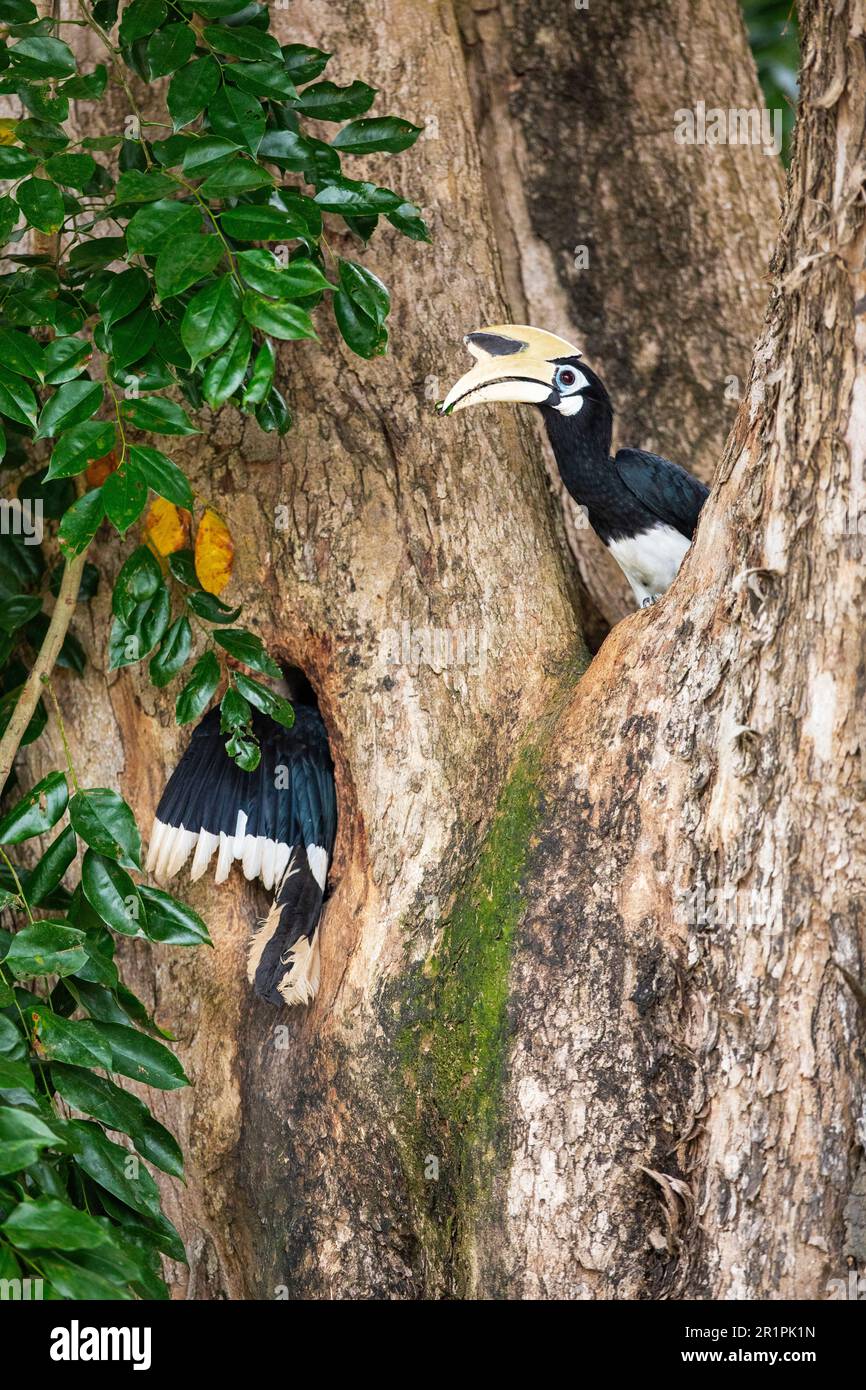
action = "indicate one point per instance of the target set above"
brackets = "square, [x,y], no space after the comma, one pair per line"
[258,817]
[673,494]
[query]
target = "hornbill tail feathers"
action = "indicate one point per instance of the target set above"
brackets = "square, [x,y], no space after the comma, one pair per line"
[279,822]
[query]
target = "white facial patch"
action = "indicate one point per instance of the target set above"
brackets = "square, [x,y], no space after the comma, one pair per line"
[569,405]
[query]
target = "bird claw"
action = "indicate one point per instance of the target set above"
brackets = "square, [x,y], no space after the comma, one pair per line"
[649,601]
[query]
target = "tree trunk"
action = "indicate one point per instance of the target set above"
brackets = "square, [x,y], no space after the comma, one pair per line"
[587,1025]
[649,254]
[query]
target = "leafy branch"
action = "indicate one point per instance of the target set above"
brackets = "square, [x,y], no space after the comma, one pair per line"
[148,272]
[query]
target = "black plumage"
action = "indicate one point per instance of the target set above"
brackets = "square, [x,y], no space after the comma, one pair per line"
[643,507]
[279,820]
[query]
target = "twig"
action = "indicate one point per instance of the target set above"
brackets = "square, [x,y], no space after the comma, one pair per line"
[43,665]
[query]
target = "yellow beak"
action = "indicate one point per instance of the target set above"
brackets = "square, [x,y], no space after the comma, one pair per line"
[515,363]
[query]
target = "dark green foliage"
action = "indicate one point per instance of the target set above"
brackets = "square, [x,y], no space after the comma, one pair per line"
[109,345]
[774,37]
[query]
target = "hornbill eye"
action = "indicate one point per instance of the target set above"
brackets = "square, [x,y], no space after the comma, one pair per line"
[565,378]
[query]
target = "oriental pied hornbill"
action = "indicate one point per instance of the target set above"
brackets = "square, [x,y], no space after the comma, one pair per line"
[279,821]
[643,507]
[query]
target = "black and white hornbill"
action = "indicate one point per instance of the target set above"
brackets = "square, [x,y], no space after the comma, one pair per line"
[278,821]
[643,507]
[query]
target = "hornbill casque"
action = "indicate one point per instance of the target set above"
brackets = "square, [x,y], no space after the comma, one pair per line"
[278,821]
[644,508]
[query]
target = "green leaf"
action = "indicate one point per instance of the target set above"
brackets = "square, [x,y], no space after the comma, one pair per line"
[8,217]
[36,812]
[138,580]
[169,49]
[233,176]
[140,19]
[408,220]
[250,222]
[158,471]
[243,41]
[266,79]
[172,923]
[273,413]
[43,880]
[211,317]
[162,221]
[123,294]
[261,376]
[248,648]
[364,336]
[226,372]
[207,152]
[17,401]
[117,1109]
[303,63]
[63,359]
[328,102]
[69,1040]
[77,447]
[46,1223]
[366,290]
[291,150]
[191,89]
[46,948]
[80,523]
[263,272]
[16,1076]
[196,695]
[237,116]
[277,320]
[235,714]
[185,259]
[104,821]
[42,204]
[15,163]
[142,1058]
[143,186]
[173,653]
[70,405]
[182,566]
[159,415]
[266,700]
[21,353]
[124,497]
[19,610]
[108,1164]
[387,133]
[112,893]
[212,609]
[133,337]
[351,198]
[42,57]
[71,170]
[23,1136]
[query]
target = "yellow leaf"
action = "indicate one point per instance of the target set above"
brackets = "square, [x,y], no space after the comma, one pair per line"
[166,527]
[7,132]
[214,553]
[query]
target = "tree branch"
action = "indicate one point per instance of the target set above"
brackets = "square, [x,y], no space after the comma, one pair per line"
[43,665]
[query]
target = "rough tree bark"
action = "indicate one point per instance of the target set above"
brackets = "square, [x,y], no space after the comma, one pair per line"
[538,1065]
[602,220]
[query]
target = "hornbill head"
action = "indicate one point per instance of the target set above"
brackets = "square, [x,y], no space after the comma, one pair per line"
[519,363]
